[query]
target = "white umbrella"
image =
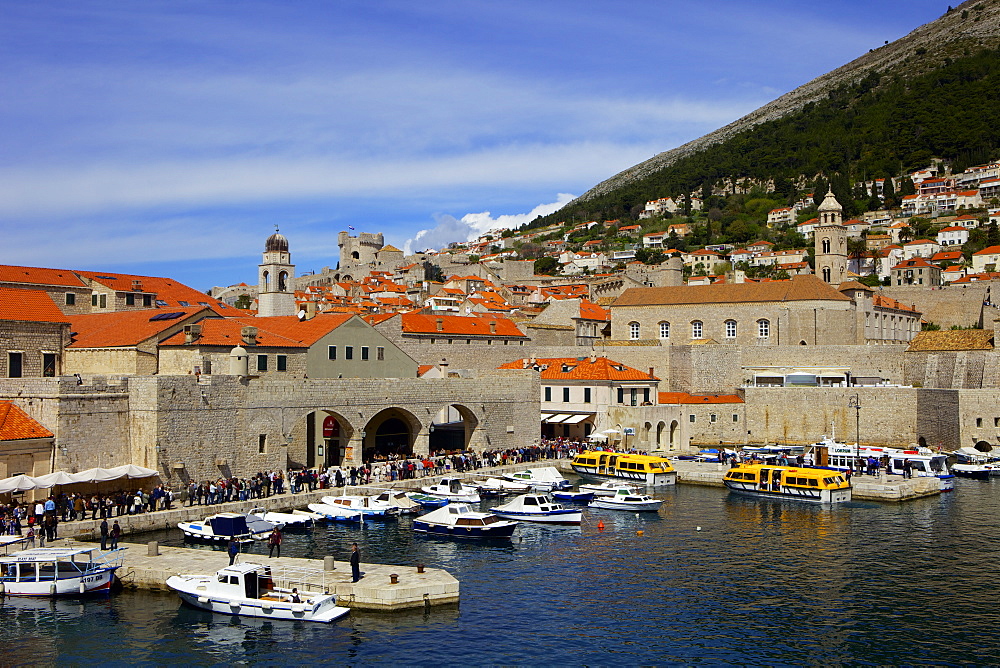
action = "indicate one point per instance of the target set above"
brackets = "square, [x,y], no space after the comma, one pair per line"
[19,483]
[53,479]
[133,471]
[95,475]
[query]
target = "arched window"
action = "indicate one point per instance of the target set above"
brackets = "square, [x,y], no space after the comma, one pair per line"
[730,329]
[826,245]
[282,281]
[633,330]
[664,330]
[265,280]
[826,274]
[697,329]
[356,255]
[763,328]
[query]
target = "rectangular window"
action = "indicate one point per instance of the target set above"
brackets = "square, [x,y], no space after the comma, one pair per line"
[262,444]
[282,363]
[380,353]
[712,417]
[979,421]
[634,396]
[104,301]
[364,352]
[70,298]
[736,418]
[645,395]
[548,394]
[49,365]
[147,300]
[348,352]
[621,395]
[586,395]
[93,299]
[691,418]
[14,369]
[129,299]
[261,362]
[331,352]
[565,395]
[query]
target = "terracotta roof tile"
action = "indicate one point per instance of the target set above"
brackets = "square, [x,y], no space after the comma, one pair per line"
[285,331]
[16,425]
[29,306]
[167,290]
[39,276]
[125,328]
[685,398]
[575,368]
[417,322]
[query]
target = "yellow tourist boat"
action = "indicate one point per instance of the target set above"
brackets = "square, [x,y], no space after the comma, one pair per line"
[789,482]
[642,469]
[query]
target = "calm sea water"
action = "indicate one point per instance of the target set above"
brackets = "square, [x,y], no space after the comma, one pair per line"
[761,582]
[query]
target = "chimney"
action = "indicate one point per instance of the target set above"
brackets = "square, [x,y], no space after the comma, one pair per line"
[444,363]
[249,336]
[593,357]
[493,326]
[650,372]
[310,310]
[137,285]
[440,324]
[191,333]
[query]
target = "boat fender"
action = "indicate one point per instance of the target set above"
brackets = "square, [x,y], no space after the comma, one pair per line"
[52,590]
[83,588]
[3,589]
[266,606]
[203,599]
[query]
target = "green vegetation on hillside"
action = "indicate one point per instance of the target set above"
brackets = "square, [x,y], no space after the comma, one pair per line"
[878,127]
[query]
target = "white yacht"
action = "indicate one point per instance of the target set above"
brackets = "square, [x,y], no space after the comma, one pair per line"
[59,571]
[366,505]
[537,508]
[255,590]
[453,490]
[626,499]
[543,479]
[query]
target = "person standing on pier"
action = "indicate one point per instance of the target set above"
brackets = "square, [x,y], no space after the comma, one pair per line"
[116,532]
[104,534]
[234,549]
[274,541]
[355,563]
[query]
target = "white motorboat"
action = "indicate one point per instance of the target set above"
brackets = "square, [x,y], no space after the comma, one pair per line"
[398,499]
[459,520]
[59,571]
[288,521]
[976,471]
[336,513]
[606,488]
[537,508]
[923,462]
[366,505]
[499,487]
[627,499]
[224,526]
[255,590]
[544,478]
[453,490]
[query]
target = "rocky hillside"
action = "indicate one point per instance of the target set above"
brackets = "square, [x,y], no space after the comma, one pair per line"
[971,26]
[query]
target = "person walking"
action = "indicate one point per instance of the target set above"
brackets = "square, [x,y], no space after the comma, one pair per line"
[274,541]
[234,549]
[104,534]
[116,532]
[355,563]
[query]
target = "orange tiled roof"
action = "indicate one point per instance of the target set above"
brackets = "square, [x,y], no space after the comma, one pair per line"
[685,398]
[124,328]
[417,322]
[591,311]
[167,290]
[423,368]
[574,368]
[800,288]
[284,331]
[29,306]
[39,276]
[888,302]
[16,425]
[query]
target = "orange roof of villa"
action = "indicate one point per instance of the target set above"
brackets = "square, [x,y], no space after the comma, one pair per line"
[418,322]
[576,368]
[16,425]
[29,306]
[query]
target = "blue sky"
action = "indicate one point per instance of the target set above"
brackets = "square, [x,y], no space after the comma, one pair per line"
[169,138]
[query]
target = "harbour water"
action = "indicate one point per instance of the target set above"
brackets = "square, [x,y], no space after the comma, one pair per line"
[713,579]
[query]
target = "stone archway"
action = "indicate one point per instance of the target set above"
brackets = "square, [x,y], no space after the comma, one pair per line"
[320,439]
[660,426]
[390,432]
[983,446]
[675,435]
[452,429]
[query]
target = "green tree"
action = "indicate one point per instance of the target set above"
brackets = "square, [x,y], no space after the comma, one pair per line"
[547,266]
[889,193]
[992,235]
[243,301]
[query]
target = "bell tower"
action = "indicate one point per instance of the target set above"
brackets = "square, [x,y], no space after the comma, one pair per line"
[831,241]
[275,278]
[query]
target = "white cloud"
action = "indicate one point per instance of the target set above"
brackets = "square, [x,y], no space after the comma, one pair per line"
[471,225]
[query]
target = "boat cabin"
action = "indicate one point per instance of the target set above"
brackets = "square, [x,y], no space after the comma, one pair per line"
[256,581]
[775,478]
[623,462]
[472,518]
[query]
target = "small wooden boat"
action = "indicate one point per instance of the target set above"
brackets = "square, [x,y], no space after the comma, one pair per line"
[459,520]
[255,590]
[454,490]
[537,508]
[59,571]
[627,499]
[573,497]
[428,500]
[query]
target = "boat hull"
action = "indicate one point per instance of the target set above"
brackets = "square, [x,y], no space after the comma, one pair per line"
[324,611]
[565,516]
[455,531]
[792,493]
[573,497]
[639,507]
[636,477]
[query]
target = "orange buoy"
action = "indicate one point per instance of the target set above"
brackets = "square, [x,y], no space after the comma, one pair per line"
[600,525]
[639,532]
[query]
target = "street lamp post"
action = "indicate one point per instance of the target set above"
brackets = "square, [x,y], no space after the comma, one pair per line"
[855,403]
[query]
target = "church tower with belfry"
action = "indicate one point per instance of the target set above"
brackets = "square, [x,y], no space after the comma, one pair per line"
[830,237]
[275,287]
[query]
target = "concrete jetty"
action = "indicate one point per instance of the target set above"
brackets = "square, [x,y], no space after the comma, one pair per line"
[147,566]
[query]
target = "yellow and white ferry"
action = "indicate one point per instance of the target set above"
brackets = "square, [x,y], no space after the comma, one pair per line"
[642,469]
[789,482]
